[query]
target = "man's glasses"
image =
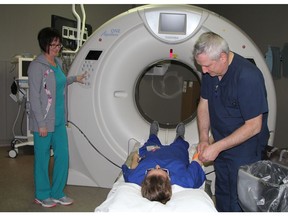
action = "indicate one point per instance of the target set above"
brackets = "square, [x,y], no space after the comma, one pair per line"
[56,45]
[165,170]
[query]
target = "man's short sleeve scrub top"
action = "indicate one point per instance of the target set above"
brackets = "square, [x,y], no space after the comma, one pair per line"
[239,96]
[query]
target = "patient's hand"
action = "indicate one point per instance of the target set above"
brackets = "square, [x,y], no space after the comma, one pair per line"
[135,160]
[195,158]
[135,156]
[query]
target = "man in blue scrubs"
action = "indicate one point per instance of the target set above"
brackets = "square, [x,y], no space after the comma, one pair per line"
[233,105]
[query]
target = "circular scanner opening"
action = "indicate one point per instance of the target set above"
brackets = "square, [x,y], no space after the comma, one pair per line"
[168,91]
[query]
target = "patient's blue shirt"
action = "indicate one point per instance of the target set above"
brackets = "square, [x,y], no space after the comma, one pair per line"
[174,157]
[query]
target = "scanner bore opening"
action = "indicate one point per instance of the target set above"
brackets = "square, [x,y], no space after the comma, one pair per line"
[168,91]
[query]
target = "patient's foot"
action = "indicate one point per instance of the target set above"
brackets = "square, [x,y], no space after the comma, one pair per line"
[180,130]
[154,128]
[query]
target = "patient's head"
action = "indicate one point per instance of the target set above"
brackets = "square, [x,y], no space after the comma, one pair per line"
[156,185]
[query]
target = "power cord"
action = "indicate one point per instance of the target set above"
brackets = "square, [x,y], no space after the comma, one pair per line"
[93,145]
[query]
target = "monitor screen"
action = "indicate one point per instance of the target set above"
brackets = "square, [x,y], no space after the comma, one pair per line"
[93,55]
[23,65]
[68,30]
[172,23]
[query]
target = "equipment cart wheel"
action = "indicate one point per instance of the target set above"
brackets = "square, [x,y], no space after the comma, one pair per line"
[13,153]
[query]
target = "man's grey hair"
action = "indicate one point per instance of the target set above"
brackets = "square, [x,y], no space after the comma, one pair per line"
[211,44]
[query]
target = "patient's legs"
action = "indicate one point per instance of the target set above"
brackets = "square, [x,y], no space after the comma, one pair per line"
[151,144]
[153,141]
[154,128]
[179,140]
[180,130]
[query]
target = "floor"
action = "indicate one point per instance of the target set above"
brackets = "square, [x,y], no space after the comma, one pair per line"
[17,190]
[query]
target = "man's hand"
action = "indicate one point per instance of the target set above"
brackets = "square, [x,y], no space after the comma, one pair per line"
[209,153]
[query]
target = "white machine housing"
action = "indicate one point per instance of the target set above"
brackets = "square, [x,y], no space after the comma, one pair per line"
[104,119]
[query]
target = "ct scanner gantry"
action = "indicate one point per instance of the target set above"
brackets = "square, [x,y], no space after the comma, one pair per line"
[124,59]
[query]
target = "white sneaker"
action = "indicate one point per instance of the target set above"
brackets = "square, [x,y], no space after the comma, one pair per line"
[48,203]
[64,200]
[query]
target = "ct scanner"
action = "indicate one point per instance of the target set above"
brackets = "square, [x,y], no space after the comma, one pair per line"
[104,115]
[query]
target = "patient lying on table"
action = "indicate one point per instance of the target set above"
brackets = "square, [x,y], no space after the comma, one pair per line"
[156,167]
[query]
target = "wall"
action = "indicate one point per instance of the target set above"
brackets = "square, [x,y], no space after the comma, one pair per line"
[21,23]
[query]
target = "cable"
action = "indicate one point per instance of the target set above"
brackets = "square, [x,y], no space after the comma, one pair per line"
[16,119]
[94,146]
[23,115]
[13,67]
[209,172]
